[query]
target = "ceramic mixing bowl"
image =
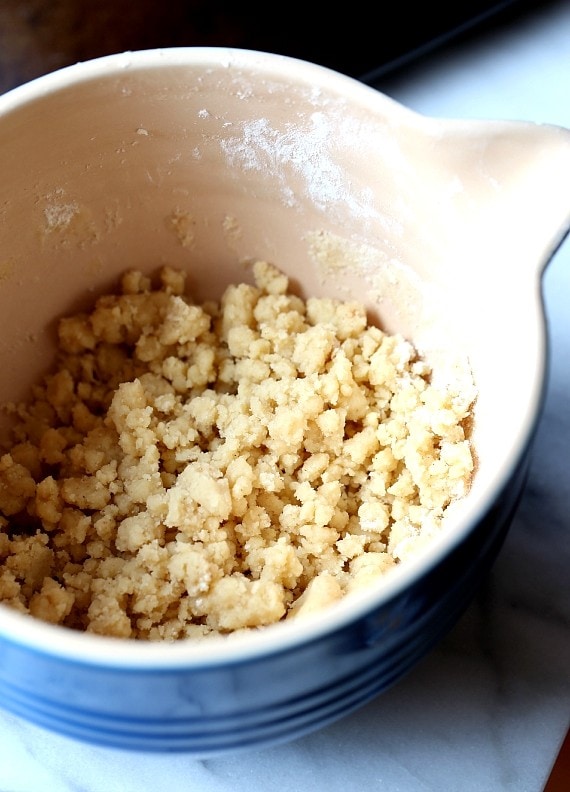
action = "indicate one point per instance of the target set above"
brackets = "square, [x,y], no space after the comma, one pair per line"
[206,158]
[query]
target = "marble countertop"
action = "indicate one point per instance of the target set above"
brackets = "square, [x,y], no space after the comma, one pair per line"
[487,710]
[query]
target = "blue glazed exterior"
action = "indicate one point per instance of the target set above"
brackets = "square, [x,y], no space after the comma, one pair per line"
[271,698]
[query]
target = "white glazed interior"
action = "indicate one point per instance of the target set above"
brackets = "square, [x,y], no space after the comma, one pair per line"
[207,159]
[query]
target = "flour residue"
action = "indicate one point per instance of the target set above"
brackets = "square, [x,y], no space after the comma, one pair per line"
[59,215]
[411,305]
[303,150]
[69,221]
[183,224]
[7,269]
[233,231]
[386,276]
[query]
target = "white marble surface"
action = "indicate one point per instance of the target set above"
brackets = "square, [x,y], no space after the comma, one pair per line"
[487,710]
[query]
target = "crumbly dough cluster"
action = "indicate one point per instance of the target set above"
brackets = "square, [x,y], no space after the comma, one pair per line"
[192,470]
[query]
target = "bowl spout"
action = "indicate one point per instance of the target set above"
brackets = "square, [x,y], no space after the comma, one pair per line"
[504,194]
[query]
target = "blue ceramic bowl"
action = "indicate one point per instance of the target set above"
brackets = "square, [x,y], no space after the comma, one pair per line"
[447,226]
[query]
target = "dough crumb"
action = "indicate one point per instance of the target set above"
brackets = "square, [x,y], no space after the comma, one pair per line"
[195,470]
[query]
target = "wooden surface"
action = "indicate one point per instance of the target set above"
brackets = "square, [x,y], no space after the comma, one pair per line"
[559,779]
[38,36]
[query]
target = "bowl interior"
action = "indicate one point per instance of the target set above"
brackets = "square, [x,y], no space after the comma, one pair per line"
[208,160]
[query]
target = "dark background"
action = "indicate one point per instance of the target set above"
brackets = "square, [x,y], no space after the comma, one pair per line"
[364,40]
